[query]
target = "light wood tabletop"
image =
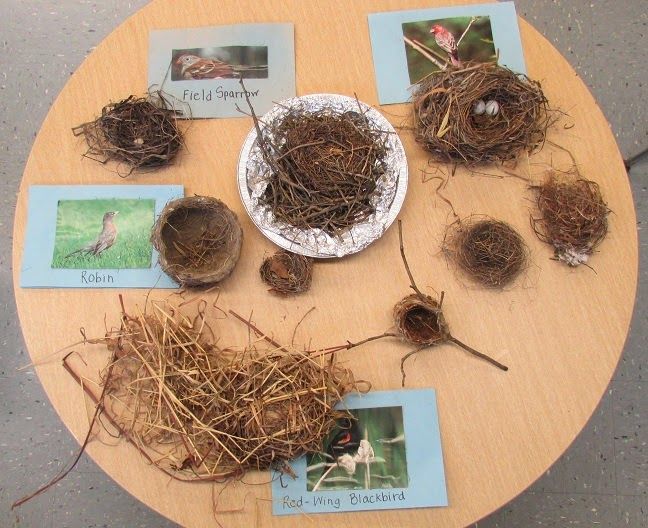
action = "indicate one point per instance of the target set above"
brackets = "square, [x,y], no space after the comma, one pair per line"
[560,330]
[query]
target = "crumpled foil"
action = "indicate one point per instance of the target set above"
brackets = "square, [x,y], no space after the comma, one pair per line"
[253,174]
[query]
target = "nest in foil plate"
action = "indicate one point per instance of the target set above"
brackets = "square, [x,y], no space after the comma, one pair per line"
[140,132]
[489,251]
[199,240]
[287,273]
[572,216]
[322,175]
[480,113]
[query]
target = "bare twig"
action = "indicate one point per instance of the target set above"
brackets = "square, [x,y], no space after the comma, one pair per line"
[425,53]
[466,30]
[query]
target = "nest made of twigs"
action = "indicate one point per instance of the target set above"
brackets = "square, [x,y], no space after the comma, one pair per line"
[200,412]
[140,132]
[325,166]
[447,126]
[488,251]
[286,272]
[572,216]
[199,240]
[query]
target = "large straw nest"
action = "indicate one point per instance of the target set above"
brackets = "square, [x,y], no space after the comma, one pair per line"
[140,132]
[420,320]
[325,168]
[488,251]
[286,272]
[572,216]
[199,240]
[200,412]
[447,126]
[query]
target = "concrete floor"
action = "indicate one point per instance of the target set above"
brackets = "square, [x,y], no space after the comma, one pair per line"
[602,480]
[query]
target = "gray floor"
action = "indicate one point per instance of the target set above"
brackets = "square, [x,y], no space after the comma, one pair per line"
[602,480]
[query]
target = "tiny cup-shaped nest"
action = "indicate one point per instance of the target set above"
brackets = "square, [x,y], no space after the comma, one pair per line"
[573,217]
[449,125]
[287,272]
[199,240]
[421,322]
[140,132]
[489,251]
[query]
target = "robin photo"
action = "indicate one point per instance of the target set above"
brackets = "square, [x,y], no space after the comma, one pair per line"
[105,240]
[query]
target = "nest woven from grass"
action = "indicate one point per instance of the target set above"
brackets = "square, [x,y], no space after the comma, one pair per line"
[489,251]
[325,167]
[199,240]
[572,216]
[447,127]
[199,412]
[140,132]
[286,272]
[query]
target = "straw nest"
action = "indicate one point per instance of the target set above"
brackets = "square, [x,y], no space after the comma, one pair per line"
[140,132]
[572,216]
[200,412]
[420,320]
[480,113]
[199,240]
[325,166]
[488,251]
[287,272]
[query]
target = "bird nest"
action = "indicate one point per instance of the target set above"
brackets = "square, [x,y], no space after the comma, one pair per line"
[139,132]
[200,412]
[287,272]
[479,113]
[199,240]
[572,216]
[325,168]
[489,251]
[420,320]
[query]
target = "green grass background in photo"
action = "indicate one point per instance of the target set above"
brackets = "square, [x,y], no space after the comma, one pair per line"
[383,428]
[477,45]
[79,222]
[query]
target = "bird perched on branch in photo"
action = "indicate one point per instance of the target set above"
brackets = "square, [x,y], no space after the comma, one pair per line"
[446,41]
[105,239]
[194,67]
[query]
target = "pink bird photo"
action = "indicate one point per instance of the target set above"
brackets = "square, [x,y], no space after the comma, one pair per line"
[226,62]
[433,45]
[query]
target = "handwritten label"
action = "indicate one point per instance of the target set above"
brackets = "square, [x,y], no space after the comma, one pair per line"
[94,277]
[218,93]
[328,503]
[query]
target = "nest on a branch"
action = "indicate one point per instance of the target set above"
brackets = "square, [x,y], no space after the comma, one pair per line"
[286,272]
[479,113]
[572,216]
[199,240]
[140,132]
[199,412]
[420,320]
[325,166]
[489,251]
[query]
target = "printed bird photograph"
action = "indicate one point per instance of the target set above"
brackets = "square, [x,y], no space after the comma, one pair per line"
[226,62]
[434,45]
[103,234]
[366,452]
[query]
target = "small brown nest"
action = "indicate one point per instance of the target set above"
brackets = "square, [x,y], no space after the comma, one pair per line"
[287,272]
[199,240]
[421,321]
[325,166]
[573,216]
[141,132]
[447,125]
[200,412]
[489,251]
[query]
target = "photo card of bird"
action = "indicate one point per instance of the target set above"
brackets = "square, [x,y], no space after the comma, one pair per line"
[409,45]
[203,67]
[386,455]
[94,236]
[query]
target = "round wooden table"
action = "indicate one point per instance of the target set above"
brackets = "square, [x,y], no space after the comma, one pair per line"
[560,330]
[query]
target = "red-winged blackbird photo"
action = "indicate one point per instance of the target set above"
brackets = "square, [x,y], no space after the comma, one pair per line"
[365,452]
[433,45]
[227,62]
